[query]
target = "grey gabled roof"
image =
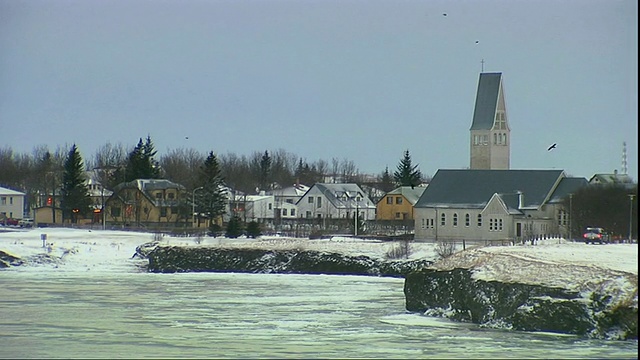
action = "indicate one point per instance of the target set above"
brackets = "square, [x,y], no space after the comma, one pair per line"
[567,186]
[412,194]
[474,188]
[341,194]
[486,101]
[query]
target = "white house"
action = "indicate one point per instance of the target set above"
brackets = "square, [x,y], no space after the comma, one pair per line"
[11,204]
[324,200]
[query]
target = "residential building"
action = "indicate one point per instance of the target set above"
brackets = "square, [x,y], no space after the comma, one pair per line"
[494,205]
[490,134]
[398,203]
[11,204]
[147,202]
[325,200]
[612,179]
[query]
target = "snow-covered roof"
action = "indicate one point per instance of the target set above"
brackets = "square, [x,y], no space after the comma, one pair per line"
[9,192]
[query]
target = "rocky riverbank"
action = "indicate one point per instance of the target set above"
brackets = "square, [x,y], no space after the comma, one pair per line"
[603,304]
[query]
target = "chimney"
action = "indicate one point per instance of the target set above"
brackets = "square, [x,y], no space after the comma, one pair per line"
[520,199]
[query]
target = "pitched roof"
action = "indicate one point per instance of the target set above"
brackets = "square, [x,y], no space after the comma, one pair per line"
[486,101]
[412,194]
[342,194]
[567,186]
[614,178]
[474,188]
[6,191]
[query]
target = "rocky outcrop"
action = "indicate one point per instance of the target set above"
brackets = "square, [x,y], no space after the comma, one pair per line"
[455,294]
[7,260]
[169,259]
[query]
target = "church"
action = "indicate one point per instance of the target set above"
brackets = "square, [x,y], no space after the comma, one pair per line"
[489,202]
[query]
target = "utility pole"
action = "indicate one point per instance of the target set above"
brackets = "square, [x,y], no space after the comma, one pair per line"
[631,196]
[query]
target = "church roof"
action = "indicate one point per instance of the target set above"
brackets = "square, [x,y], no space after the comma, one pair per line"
[486,101]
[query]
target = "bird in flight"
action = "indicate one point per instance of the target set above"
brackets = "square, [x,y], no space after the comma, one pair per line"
[552,147]
[444,14]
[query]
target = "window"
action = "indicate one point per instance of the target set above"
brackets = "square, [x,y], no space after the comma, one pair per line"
[11,200]
[443,219]
[389,200]
[163,211]
[424,221]
[495,139]
[490,224]
[310,201]
[467,220]
[115,211]
[308,214]
[397,215]
[431,223]
[3,200]
[455,219]
[158,195]
[504,139]
[284,212]
[479,220]
[399,200]
[293,212]
[270,206]
[485,139]
[499,224]
[290,201]
[319,202]
[171,196]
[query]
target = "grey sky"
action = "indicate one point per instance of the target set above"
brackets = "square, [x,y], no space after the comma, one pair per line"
[357,80]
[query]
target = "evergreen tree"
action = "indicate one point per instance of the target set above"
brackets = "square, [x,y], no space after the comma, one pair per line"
[211,200]
[234,227]
[407,174]
[75,194]
[253,229]
[141,163]
[265,172]
[386,181]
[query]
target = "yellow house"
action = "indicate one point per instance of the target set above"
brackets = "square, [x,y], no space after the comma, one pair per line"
[398,203]
[147,202]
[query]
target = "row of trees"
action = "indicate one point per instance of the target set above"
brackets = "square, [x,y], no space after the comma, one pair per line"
[43,171]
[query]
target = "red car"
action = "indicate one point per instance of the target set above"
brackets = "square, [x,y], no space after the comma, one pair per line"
[10,222]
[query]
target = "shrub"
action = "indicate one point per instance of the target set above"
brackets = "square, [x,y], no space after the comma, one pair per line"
[215,230]
[400,250]
[234,228]
[253,229]
[444,249]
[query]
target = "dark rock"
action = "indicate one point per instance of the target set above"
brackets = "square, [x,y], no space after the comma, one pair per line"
[183,259]
[456,295]
[7,260]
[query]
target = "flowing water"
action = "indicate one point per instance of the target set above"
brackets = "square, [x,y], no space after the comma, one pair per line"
[213,315]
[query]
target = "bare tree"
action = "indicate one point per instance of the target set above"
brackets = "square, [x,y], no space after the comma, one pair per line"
[181,166]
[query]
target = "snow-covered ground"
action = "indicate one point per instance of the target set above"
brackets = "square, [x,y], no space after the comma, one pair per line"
[552,262]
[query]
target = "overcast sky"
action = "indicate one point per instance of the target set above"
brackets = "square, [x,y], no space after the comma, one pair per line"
[346,79]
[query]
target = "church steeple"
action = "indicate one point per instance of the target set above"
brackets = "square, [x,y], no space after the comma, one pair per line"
[490,138]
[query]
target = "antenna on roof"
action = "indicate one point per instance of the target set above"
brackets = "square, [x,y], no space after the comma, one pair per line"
[482,65]
[624,158]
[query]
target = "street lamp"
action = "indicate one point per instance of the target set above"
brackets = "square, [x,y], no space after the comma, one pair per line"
[193,205]
[631,196]
[570,215]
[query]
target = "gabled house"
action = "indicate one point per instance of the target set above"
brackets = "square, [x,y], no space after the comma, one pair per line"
[612,179]
[398,203]
[494,205]
[11,204]
[147,202]
[324,200]
[285,200]
[98,195]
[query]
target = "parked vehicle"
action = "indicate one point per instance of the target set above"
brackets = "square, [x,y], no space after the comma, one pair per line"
[596,235]
[9,222]
[26,223]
